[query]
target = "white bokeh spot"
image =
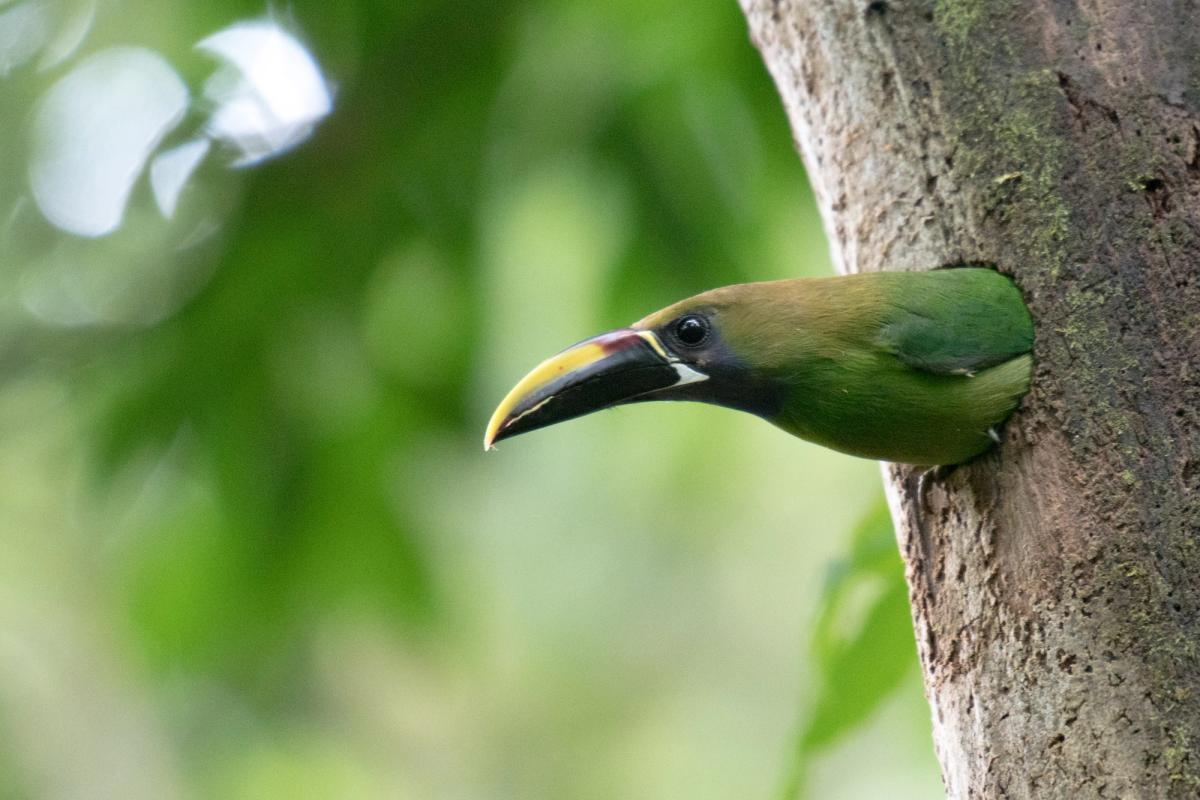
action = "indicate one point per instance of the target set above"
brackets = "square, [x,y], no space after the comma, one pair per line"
[93,132]
[268,95]
[170,171]
[24,30]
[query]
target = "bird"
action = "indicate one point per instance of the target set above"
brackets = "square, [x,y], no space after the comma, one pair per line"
[915,368]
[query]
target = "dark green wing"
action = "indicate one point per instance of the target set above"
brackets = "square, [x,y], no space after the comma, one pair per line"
[954,321]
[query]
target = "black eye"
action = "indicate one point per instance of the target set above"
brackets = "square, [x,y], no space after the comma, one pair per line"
[691,330]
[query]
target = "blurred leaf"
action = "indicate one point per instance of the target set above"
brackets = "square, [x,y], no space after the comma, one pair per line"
[862,643]
[299,768]
[197,601]
[284,437]
[13,786]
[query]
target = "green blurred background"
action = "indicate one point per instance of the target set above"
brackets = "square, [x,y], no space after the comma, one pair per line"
[250,546]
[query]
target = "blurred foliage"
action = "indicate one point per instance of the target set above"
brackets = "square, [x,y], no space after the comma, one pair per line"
[860,663]
[253,550]
[861,641]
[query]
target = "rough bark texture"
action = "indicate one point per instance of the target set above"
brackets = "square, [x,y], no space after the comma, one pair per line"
[1055,583]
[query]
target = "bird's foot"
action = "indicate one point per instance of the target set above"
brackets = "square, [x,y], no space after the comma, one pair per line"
[938,473]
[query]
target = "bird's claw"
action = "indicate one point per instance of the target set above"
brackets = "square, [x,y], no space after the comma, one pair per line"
[938,473]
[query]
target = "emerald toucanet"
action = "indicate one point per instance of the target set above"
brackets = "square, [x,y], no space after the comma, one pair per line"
[913,367]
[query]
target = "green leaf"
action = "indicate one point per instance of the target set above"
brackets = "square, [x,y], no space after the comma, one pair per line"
[862,643]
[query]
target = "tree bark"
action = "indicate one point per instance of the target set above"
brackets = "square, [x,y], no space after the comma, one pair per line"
[1054,582]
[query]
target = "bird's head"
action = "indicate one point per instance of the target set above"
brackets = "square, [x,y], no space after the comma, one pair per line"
[716,347]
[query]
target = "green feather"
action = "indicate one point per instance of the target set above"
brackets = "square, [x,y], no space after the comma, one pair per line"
[956,321]
[913,367]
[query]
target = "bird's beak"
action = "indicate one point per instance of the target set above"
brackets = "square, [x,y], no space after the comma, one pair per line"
[601,372]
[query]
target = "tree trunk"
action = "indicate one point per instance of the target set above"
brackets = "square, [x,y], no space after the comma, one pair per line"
[1053,582]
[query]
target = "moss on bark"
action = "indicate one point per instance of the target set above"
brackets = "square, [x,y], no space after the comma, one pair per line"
[1052,582]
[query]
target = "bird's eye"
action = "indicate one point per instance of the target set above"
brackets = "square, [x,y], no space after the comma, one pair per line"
[692,330]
